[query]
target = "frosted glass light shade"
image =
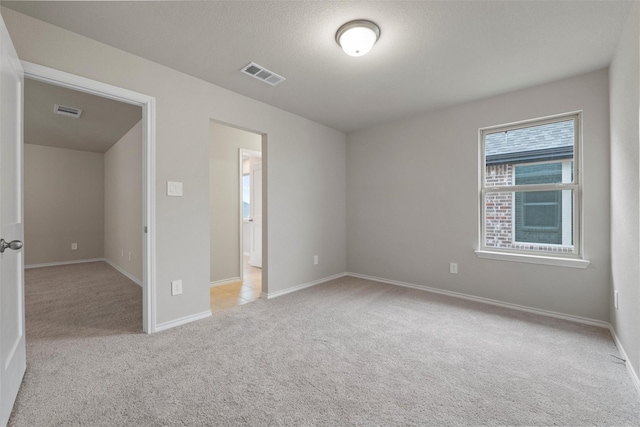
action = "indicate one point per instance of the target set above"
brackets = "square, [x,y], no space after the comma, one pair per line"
[357,37]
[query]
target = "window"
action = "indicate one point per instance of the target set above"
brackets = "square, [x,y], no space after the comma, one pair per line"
[246,196]
[530,187]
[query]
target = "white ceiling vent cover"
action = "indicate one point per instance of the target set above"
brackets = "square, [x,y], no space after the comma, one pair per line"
[67,111]
[261,73]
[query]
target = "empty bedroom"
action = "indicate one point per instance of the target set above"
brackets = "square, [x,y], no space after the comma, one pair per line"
[448,222]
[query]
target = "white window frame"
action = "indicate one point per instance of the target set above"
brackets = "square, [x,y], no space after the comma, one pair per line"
[538,257]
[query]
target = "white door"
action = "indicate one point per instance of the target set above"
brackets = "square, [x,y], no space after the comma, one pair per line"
[255,228]
[13,360]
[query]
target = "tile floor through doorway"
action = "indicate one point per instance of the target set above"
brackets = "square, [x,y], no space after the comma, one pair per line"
[238,293]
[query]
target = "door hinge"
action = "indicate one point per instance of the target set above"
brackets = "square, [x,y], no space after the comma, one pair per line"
[145,229]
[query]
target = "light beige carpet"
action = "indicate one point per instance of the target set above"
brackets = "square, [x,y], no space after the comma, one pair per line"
[347,352]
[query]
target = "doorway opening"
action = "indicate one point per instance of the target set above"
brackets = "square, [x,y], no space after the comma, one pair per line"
[83,210]
[237,205]
[146,231]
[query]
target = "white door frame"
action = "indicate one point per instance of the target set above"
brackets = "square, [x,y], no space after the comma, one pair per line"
[148,104]
[249,153]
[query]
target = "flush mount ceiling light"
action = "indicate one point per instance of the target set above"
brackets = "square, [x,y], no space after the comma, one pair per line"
[357,37]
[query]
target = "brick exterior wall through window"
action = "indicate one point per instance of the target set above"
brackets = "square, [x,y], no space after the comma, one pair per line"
[498,208]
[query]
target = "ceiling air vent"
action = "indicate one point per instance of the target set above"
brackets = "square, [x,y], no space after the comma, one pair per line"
[261,73]
[67,111]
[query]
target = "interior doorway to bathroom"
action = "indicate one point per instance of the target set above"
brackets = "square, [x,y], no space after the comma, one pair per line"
[236,204]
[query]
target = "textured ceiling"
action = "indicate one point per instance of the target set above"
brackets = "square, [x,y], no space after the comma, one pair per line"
[102,122]
[430,54]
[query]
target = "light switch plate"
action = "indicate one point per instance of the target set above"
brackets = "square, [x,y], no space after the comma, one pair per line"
[174,188]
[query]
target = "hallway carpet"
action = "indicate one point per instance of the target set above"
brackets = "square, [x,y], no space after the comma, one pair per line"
[346,352]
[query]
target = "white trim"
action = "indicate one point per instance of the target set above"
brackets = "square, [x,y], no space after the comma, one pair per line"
[245,152]
[578,319]
[128,275]
[182,321]
[54,264]
[567,204]
[148,104]
[630,370]
[241,210]
[558,261]
[225,282]
[242,152]
[270,295]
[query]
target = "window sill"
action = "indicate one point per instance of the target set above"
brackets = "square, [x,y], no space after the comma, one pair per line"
[534,259]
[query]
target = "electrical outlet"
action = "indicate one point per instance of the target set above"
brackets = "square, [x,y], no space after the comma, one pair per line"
[74,246]
[122,252]
[129,256]
[453,268]
[315,260]
[615,299]
[176,287]
[174,189]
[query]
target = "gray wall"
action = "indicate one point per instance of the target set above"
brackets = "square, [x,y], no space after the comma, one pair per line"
[305,167]
[625,171]
[123,203]
[412,189]
[63,204]
[224,164]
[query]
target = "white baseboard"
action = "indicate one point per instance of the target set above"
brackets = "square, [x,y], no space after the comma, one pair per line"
[182,321]
[270,295]
[630,370]
[54,264]
[224,282]
[578,319]
[124,273]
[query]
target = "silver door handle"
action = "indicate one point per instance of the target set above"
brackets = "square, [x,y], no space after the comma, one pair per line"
[14,244]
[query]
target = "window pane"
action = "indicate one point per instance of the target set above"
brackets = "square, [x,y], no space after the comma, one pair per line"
[541,197]
[538,217]
[541,216]
[542,173]
[530,220]
[551,146]
[246,196]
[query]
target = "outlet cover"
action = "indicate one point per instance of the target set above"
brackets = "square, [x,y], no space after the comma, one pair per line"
[453,268]
[615,299]
[315,260]
[74,246]
[176,287]
[174,189]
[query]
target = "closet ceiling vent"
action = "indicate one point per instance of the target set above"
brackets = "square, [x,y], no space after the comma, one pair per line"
[67,111]
[261,73]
